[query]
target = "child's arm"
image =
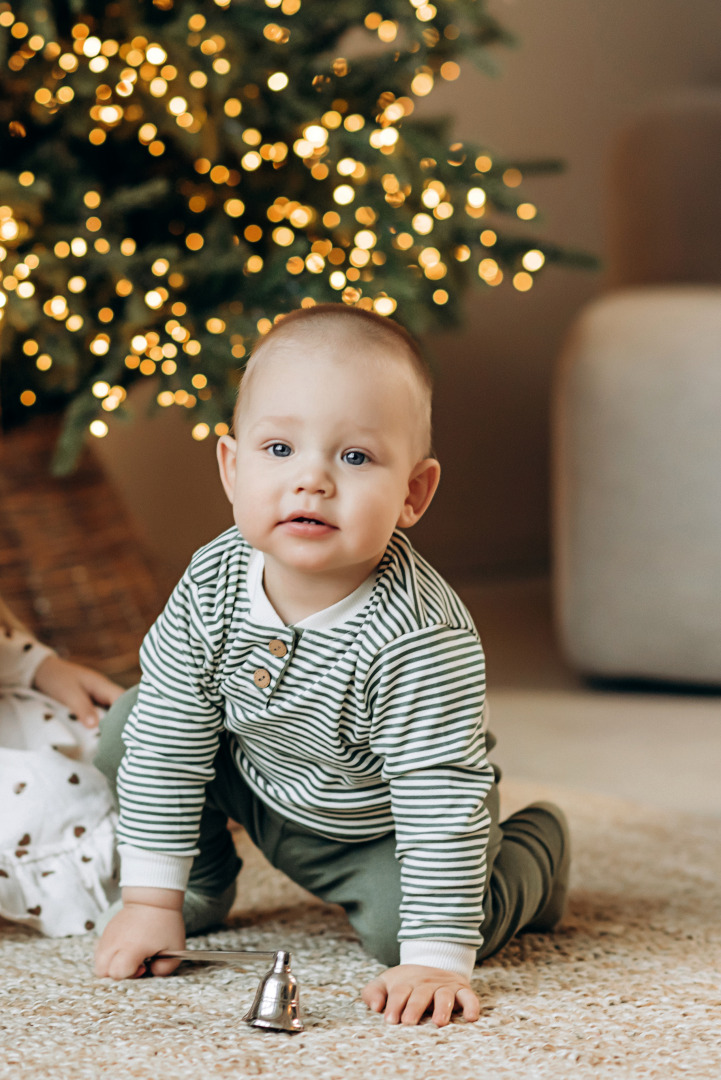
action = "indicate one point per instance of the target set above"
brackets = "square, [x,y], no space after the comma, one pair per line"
[171,739]
[150,921]
[26,662]
[79,688]
[429,731]
[405,993]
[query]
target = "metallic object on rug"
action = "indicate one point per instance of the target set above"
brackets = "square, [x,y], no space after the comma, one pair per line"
[276,1005]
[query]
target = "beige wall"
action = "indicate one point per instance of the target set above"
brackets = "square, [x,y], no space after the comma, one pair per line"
[583,66]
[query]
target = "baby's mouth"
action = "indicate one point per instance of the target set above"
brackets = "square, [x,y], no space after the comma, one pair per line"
[308,521]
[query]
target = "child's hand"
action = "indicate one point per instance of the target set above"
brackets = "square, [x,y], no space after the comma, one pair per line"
[405,993]
[139,931]
[77,687]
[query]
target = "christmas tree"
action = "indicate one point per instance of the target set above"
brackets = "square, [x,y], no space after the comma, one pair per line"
[176,174]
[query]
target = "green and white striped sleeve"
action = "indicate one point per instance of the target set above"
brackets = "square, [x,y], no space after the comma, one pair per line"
[171,740]
[427,692]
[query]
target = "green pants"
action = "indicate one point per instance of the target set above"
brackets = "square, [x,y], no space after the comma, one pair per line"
[524,854]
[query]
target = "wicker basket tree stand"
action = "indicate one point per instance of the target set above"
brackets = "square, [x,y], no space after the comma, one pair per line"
[72,567]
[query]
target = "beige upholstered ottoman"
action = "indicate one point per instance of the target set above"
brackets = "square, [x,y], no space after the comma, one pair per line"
[637,486]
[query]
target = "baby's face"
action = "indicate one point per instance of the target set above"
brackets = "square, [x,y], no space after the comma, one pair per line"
[327,458]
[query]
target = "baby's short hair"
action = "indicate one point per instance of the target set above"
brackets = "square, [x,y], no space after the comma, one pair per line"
[378,329]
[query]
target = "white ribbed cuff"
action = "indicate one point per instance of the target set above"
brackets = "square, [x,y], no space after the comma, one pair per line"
[440,954]
[153,869]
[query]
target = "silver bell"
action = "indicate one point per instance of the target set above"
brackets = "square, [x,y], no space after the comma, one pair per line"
[276,1006]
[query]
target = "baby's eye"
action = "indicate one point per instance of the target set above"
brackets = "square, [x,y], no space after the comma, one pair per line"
[279,449]
[355,457]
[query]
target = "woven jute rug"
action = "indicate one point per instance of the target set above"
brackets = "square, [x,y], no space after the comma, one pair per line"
[628,987]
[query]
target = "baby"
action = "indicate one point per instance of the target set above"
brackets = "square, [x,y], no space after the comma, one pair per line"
[314,679]
[57,818]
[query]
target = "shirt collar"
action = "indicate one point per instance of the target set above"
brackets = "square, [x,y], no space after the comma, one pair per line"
[263,613]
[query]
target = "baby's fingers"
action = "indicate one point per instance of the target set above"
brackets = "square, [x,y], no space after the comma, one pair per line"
[125,964]
[120,964]
[375,994]
[83,708]
[100,688]
[396,1003]
[161,967]
[444,1002]
[419,1001]
[76,699]
[470,1004]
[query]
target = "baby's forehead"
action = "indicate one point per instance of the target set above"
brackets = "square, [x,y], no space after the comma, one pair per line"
[343,358]
[339,337]
[372,356]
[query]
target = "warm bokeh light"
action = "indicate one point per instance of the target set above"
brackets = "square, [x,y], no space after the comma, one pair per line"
[422,84]
[209,196]
[344,194]
[533,260]
[522,281]
[423,224]
[384,305]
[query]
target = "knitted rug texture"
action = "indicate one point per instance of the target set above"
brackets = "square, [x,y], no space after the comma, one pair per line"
[628,987]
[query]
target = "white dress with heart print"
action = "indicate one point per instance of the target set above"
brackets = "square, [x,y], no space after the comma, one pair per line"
[57,820]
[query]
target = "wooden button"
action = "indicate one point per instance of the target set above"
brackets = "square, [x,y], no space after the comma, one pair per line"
[277,647]
[261,678]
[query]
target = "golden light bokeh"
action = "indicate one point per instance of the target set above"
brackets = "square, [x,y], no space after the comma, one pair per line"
[533,260]
[262,190]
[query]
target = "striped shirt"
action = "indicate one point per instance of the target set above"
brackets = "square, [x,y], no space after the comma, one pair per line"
[362,719]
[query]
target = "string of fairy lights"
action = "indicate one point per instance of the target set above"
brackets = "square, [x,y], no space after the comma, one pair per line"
[330,196]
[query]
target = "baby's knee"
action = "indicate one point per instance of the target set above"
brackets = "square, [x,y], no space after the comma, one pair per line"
[202,912]
[387,953]
[110,746]
[379,935]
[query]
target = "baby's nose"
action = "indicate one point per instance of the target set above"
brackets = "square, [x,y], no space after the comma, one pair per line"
[314,478]
[313,487]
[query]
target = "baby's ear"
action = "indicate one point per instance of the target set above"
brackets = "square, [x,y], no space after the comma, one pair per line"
[227,449]
[421,489]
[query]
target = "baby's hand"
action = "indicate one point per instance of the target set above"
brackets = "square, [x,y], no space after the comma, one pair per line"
[405,993]
[77,687]
[139,931]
